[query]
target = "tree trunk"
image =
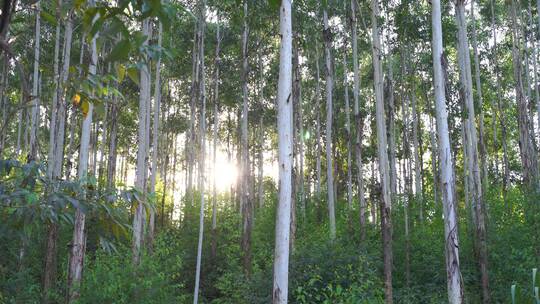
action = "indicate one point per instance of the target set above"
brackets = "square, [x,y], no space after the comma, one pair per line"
[454,283]
[202,95]
[56,155]
[474,168]
[78,245]
[155,137]
[285,137]
[327,35]
[34,118]
[386,201]
[217,62]
[318,129]
[347,129]
[528,155]
[481,133]
[246,203]
[358,123]
[142,166]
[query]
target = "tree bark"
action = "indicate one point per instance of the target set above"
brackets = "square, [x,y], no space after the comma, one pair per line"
[528,155]
[454,283]
[142,153]
[474,168]
[34,119]
[285,136]
[386,197]
[358,123]
[327,35]
[202,96]
[246,203]
[78,245]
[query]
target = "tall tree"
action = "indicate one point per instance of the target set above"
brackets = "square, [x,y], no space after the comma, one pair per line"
[453,273]
[139,218]
[245,197]
[78,244]
[202,96]
[358,122]
[386,201]
[34,121]
[155,137]
[474,167]
[285,137]
[327,35]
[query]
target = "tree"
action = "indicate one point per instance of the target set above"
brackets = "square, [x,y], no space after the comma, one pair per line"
[386,200]
[472,146]
[285,135]
[454,283]
[78,245]
[327,35]
[139,218]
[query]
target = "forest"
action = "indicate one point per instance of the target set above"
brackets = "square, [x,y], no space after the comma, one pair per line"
[269,151]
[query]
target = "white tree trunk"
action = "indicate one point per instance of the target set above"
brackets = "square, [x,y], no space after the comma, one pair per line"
[34,121]
[202,95]
[454,284]
[358,122]
[155,136]
[78,245]
[329,88]
[285,136]
[386,203]
[140,180]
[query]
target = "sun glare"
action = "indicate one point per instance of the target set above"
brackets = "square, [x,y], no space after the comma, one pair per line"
[225,173]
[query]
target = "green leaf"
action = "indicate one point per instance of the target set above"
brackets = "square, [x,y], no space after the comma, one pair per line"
[49,18]
[120,72]
[133,74]
[120,52]
[99,109]
[274,3]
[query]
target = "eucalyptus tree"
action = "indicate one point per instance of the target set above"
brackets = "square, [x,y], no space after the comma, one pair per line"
[453,272]
[327,35]
[34,119]
[358,120]
[155,136]
[139,217]
[245,198]
[529,159]
[386,200]
[285,139]
[472,146]
[202,96]
[78,245]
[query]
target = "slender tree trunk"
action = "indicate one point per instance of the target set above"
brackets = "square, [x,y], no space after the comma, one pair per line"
[386,200]
[217,62]
[246,203]
[527,152]
[34,120]
[57,153]
[417,162]
[454,283]
[155,137]
[142,156]
[327,35]
[358,123]
[347,129]
[78,245]
[474,168]
[285,136]
[318,129]
[202,95]
[481,133]
[391,129]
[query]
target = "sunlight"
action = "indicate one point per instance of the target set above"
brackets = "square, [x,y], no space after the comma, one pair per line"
[225,172]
